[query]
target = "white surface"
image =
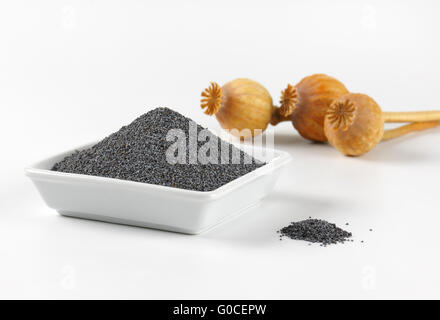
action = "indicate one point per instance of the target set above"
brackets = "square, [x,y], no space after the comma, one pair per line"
[74,71]
[149,205]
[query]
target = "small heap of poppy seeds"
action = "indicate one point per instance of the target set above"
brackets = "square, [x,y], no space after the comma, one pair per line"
[137,152]
[316,231]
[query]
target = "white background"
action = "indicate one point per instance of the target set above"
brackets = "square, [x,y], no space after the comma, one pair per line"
[72,72]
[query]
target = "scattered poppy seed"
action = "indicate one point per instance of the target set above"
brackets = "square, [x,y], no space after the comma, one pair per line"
[137,152]
[316,231]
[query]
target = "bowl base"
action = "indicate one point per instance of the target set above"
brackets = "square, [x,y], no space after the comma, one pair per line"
[143,224]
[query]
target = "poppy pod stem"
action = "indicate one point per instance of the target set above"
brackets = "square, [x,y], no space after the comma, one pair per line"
[417,116]
[406,129]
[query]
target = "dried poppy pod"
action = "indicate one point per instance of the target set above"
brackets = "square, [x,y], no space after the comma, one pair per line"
[306,104]
[354,124]
[243,106]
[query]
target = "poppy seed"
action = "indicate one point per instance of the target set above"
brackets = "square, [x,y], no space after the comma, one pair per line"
[316,231]
[137,152]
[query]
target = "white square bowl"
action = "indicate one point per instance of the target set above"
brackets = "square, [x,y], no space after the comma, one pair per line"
[149,205]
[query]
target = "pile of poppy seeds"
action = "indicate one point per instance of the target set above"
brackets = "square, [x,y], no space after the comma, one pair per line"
[315,231]
[137,152]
